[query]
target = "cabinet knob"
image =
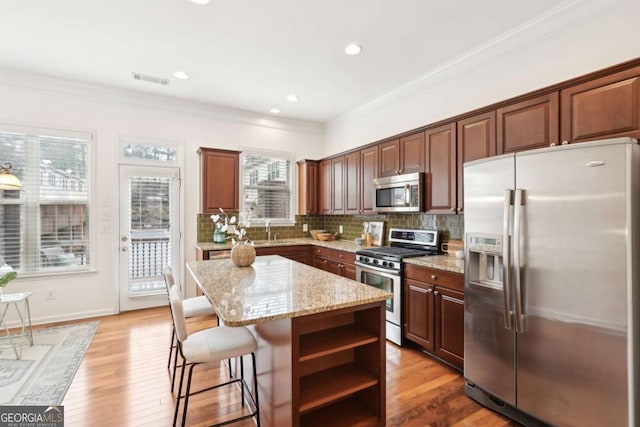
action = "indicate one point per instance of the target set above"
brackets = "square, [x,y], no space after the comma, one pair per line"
[553,144]
[340,255]
[434,277]
[325,261]
[452,209]
[436,293]
[565,142]
[428,290]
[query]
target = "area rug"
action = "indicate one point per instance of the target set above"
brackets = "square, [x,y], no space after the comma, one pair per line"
[45,372]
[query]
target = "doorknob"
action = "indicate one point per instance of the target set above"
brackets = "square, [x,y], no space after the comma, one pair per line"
[124,249]
[124,238]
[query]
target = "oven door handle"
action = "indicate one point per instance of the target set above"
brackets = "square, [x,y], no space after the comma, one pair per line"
[381,271]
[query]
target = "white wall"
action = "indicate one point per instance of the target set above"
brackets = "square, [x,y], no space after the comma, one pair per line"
[581,37]
[109,114]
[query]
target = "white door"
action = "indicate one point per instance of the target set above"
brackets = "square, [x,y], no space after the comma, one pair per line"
[149,233]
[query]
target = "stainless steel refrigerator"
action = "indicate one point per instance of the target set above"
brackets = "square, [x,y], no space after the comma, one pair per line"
[551,284]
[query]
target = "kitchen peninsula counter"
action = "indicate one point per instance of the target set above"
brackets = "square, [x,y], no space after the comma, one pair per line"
[321,338]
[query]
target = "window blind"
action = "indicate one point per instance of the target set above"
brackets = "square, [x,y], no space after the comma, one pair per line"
[267,186]
[45,227]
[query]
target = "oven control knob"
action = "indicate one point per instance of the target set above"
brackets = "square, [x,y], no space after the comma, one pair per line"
[385,263]
[390,265]
[365,259]
[375,261]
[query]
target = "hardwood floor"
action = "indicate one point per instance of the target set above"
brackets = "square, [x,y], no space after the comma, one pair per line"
[123,381]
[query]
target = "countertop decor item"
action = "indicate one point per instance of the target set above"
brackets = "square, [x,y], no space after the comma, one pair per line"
[243,254]
[327,236]
[221,222]
[314,233]
[376,228]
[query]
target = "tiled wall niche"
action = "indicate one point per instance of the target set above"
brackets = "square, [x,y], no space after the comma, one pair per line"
[452,226]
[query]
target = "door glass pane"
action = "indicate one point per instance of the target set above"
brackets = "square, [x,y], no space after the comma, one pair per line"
[150,208]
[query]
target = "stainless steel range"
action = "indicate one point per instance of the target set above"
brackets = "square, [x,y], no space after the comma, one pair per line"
[382,267]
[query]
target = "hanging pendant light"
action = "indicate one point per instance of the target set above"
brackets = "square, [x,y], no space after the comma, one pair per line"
[8,181]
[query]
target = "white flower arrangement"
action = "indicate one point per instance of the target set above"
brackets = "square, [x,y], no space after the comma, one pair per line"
[222,221]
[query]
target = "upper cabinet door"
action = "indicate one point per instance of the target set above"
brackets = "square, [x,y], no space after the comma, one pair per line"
[602,108]
[369,171]
[352,183]
[476,140]
[219,180]
[441,170]
[528,124]
[325,186]
[337,186]
[308,187]
[389,158]
[412,153]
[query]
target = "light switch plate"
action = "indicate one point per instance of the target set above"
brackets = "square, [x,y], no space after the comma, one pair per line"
[340,229]
[305,227]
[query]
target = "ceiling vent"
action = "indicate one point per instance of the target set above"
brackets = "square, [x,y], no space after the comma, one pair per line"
[151,79]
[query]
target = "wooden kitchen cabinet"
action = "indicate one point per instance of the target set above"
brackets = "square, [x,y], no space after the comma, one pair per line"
[434,312]
[300,253]
[326,190]
[368,172]
[335,261]
[219,180]
[308,187]
[352,183]
[529,124]
[332,186]
[419,313]
[476,140]
[440,163]
[605,107]
[389,154]
[403,155]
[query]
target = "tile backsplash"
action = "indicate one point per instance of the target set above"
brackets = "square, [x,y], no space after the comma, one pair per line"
[452,226]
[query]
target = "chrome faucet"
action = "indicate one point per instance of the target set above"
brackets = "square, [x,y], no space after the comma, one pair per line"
[268,228]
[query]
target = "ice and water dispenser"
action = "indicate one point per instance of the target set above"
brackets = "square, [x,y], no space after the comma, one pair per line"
[484,259]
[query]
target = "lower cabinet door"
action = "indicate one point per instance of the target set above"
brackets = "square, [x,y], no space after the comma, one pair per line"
[449,307]
[419,315]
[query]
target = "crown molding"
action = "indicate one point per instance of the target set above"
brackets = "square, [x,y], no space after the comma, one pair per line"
[543,26]
[109,95]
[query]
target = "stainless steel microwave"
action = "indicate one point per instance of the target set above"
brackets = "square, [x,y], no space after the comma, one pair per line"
[399,193]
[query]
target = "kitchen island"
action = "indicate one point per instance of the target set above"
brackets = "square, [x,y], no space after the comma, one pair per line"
[321,339]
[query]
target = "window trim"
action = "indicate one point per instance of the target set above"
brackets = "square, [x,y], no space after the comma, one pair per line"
[293,201]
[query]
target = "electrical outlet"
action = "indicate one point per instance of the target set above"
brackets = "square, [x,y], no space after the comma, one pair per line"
[305,227]
[51,294]
[340,229]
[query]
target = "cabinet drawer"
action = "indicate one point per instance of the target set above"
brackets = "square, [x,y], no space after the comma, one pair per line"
[435,276]
[334,254]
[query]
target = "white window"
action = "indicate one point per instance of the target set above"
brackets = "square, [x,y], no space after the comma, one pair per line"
[267,186]
[45,227]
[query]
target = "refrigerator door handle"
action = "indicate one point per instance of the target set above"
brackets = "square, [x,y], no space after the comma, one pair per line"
[506,258]
[517,235]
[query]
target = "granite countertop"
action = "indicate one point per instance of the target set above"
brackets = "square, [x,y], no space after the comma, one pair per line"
[276,288]
[442,262]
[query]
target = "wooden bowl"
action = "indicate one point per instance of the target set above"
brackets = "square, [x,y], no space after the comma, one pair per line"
[327,236]
[314,233]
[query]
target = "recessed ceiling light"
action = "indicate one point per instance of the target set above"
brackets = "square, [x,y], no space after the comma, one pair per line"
[275,111]
[292,98]
[201,2]
[181,75]
[352,49]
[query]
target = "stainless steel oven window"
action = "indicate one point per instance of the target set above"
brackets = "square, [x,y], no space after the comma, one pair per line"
[385,281]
